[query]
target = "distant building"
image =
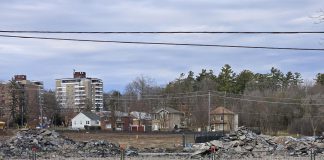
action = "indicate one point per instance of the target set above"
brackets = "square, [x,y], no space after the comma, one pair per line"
[166,118]
[222,119]
[142,121]
[115,121]
[79,93]
[28,103]
[85,119]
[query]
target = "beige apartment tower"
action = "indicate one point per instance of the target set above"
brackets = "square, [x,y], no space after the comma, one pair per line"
[79,93]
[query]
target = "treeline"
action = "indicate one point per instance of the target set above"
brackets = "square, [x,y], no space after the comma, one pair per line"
[273,102]
[231,82]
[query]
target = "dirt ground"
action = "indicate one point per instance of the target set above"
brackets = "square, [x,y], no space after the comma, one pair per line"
[141,140]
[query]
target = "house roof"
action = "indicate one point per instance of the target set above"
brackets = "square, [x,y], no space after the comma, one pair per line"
[91,115]
[221,110]
[120,114]
[141,115]
[109,114]
[168,109]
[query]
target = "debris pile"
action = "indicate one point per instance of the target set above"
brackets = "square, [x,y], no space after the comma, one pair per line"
[49,143]
[243,143]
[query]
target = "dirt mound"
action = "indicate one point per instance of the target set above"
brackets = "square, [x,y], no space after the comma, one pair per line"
[46,142]
[244,143]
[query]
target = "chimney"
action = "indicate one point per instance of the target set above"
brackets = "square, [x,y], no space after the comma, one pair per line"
[20,77]
[79,75]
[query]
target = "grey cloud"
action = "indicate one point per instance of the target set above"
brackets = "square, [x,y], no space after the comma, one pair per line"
[118,64]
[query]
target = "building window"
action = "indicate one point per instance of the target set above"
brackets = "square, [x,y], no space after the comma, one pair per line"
[87,122]
[80,122]
[74,122]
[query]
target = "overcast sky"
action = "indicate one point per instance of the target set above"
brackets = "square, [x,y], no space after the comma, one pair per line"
[118,64]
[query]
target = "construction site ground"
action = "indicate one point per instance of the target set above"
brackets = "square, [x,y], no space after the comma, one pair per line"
[172,142]
[141,141]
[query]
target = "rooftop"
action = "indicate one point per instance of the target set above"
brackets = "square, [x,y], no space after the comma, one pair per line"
[168,109]
[91,115]
[221,110]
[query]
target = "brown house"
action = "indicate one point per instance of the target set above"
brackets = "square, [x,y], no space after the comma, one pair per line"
[222,119]
[142,121]
[119,121]
[166,118]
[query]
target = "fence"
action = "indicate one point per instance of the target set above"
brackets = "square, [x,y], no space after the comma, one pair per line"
[207,136]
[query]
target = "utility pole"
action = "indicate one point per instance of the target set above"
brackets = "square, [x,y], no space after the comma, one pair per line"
[40,101]
[22,87]
[223,112]
[208,111]
[124,99]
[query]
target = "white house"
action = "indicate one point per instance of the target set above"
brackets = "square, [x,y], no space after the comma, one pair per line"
[85,119]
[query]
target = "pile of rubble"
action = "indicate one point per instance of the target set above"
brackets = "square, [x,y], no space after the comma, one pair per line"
[49,144]
[244,143]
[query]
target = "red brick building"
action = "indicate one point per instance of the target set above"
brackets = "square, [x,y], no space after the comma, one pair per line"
[119,121]
[21,99]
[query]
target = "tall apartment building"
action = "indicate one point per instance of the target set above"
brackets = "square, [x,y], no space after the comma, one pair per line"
[79,92]
[21,98]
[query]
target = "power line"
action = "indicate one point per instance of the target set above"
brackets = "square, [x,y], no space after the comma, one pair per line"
[171,95]
[227,97]
[268,114]
[162,32]
[272,102]
[164,43]
[190,95]
[263,97]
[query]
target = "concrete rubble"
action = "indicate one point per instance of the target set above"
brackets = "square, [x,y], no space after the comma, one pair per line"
[49,144]
[244,143]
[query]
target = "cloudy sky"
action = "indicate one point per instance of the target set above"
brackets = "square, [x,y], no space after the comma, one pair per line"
[118,64]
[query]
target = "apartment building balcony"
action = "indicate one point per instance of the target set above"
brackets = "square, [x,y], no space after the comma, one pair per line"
[63,98]
[77,86]
[79,91]
[79,103]
[80,95]
[79,99]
